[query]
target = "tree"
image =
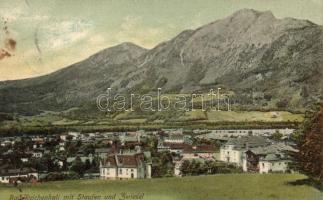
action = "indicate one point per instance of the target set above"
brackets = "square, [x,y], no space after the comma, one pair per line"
[310,145]
[162,164]
[277,136]
[185,167]
[95,163]
[87,164]
[78,166]
[195,167]
[283,103]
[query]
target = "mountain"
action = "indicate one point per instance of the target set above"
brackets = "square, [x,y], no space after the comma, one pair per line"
[279,60]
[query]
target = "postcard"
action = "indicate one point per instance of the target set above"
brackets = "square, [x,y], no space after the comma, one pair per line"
[161,99]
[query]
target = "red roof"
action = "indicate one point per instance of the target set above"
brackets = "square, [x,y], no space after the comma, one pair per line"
[200,149]
[119,160]
[177,145]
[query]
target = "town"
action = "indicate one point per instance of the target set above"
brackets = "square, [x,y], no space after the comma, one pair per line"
[144,154]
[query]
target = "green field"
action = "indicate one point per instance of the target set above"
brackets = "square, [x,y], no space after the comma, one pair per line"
[196,115]
[218,187]
[250,116]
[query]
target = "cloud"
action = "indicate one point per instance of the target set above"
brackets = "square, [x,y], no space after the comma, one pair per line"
[62,34]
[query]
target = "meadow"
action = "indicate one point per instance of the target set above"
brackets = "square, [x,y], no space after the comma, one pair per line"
[217,187]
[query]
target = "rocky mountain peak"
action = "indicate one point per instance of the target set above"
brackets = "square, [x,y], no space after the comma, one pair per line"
[249,50]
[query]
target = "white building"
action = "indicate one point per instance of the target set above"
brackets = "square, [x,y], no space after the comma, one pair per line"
[248,132]
[175,138]
[234,150]
[122,166]
[173,131]
[263,159]
[63,137]
[37,154]
[274,163]
[202,151]
[74,135]
[25,159]
[6,142]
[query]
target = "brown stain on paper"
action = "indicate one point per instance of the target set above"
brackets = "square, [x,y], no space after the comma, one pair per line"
[9,44]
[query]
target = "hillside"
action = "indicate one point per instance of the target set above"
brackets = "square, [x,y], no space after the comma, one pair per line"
[279,61]
[224,187]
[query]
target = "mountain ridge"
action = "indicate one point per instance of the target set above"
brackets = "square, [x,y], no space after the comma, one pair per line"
[249,50]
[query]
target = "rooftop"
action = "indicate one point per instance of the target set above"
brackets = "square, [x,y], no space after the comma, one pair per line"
[248,142]
[118,160]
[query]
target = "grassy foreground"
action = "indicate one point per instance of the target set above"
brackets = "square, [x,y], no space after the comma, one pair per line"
[218,187]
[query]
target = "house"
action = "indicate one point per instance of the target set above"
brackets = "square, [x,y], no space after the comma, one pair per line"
[23,175]
[38,144]
[274,163]
[74,135]
[174,138]
[201,151]
[177,148]
[37,154]
[173,131]
[251,161]
[63,137]
[5,143]
[24,159]
[129,138]
[61,148]
[60,161]
[200,131]
[125,166]
[249,132]
[234,150]
[173,143]
[38,138]
[161,147]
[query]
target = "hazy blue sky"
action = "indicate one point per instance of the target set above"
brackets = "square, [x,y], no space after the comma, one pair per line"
[53,34]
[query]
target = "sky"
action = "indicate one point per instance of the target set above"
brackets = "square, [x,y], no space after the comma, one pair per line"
[38,37]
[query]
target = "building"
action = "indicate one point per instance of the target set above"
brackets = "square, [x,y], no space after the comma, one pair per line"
[125,166]
[161,147]
[177,148]
[13,175]
[24,159]
[234,150]
[201,151]
[74,135]
[274,163]
[173,131]
[37,153]
[253,157]
[63,137]
[174,138]
[247,132]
